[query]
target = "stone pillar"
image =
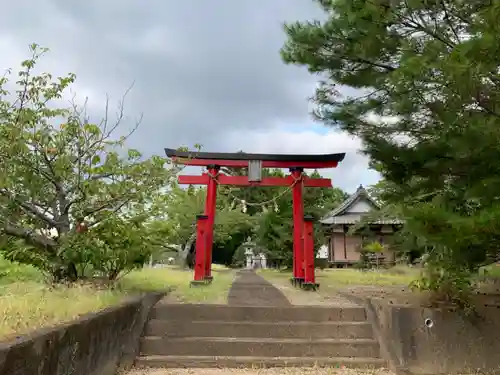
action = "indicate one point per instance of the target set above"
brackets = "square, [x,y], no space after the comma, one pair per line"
[249,256]
[263,260]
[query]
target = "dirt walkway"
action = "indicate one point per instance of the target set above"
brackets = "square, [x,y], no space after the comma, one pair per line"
[250,289]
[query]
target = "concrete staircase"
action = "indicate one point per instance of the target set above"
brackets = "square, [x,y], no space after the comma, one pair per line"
[241,336]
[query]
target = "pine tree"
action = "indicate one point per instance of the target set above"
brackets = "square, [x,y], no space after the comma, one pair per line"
[426,106]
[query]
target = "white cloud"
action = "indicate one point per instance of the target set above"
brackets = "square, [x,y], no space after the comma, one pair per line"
[13,54]
[195,82]
[376,119]
[351,172]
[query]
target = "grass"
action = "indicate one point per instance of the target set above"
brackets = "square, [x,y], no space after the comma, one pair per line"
[265,371]
[391,283]
[14,272]
[27,302]
[346,280]
[160,278]
[390,277]
[491,271]
[25,306]
[351,277]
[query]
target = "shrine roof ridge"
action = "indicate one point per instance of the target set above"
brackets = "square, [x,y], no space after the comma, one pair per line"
[337,157]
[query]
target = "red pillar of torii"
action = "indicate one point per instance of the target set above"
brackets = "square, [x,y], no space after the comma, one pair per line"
[303,245]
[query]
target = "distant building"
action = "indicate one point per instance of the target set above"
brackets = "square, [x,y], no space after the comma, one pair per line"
[344,247]
[322,252]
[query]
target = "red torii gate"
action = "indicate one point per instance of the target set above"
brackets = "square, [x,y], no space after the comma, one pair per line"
[303,245]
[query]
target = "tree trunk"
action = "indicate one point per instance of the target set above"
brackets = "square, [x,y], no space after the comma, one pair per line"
[184,258]
[67,272]
[113,275]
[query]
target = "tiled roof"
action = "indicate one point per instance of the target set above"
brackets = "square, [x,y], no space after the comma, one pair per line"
[354,218]
[337,215]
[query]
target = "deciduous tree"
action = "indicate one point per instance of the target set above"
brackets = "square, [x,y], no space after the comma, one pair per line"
[60,173]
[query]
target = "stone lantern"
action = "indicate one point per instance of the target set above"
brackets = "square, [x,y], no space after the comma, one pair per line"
[249,247]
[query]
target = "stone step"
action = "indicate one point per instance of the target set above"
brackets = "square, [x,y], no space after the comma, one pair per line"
[224,346]
[252,362]
[194,312]
[207,328]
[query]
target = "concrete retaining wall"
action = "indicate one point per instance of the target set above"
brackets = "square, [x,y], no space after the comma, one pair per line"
[438,341]
[96,344]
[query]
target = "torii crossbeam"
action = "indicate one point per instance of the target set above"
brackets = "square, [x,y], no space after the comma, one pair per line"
[303,251]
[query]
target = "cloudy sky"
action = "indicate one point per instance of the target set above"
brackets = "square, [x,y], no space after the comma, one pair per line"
[205,72]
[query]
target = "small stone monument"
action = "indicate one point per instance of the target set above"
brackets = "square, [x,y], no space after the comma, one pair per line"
[263,260]
[249,246]
[254,260]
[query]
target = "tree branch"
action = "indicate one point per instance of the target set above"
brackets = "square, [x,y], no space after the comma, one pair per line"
[103,207]
[30,236]
[29,208]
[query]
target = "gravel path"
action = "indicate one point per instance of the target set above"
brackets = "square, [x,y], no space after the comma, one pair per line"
[250,289]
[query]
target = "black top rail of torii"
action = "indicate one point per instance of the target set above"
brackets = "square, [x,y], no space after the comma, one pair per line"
[171,153]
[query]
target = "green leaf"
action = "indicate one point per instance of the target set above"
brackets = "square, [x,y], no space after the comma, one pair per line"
[425,108]
[96,159]
[69,178]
